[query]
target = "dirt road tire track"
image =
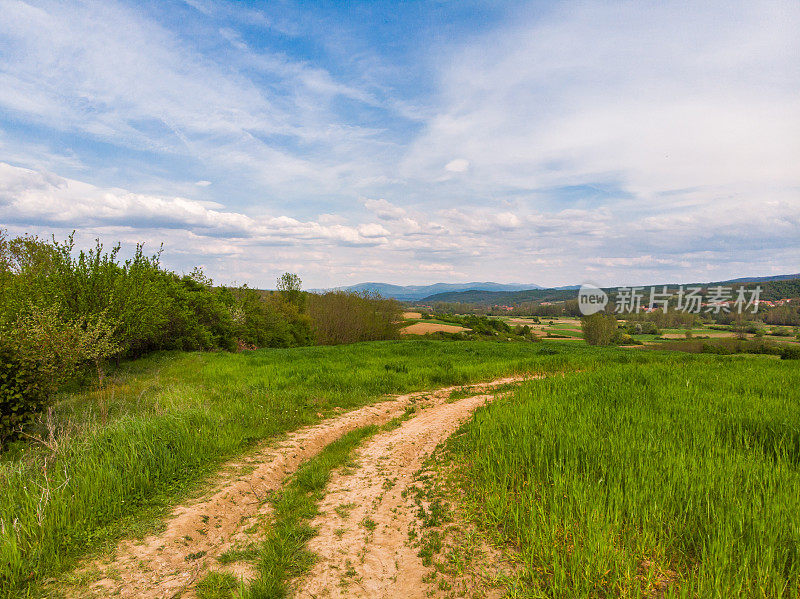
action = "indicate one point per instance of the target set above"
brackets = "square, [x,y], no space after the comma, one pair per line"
[367,552]
[168,564]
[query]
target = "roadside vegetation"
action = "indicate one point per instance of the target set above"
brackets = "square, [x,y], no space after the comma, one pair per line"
[670,473]
[67,313]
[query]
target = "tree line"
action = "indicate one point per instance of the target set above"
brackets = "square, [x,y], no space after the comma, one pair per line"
[64,312]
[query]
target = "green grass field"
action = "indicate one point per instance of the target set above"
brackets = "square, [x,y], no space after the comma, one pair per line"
[631,472]
[679,473]
[118,457]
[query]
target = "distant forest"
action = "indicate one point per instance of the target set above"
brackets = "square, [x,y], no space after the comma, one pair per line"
[771,290]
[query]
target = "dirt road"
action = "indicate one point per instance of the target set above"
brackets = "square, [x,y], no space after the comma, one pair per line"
[363,542]
[167,565]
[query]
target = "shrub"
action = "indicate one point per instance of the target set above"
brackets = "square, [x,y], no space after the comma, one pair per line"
[346,317]
[790,353]
[599,329]
[781,332]
[22,395]
[40,351]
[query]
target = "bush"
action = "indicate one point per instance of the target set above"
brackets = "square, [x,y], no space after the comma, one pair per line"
[22,394]
[40,351]
[781,332]
[62,311]
[346,317]
[790,353]
[522,330]
[599,329]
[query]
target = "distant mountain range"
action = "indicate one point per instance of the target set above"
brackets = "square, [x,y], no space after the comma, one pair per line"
[410,293]
[773,288]
[763,279]
[505,293]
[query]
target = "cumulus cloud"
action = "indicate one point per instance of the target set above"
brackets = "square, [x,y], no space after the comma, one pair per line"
[610,245]
[42,198]
[384,210]
[635,142]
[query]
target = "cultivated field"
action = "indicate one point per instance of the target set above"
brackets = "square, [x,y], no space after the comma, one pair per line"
[635,478]
[423,328]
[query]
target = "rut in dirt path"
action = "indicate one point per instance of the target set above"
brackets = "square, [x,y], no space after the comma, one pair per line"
[363,542]
[167,565]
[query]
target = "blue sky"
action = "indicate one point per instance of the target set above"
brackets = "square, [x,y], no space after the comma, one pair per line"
[414,142]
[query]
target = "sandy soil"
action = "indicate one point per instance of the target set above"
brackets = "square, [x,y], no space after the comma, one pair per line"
[364,546]
[412,315]
[527,321]
[421,328]
[168,564]
[710,334]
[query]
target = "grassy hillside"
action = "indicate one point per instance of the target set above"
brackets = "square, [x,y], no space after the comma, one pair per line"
[676,465]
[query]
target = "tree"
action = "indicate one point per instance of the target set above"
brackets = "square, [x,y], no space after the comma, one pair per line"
[290,287]
[739,326]
[599,329]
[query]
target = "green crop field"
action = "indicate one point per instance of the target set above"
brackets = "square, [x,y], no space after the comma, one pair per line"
[679,472]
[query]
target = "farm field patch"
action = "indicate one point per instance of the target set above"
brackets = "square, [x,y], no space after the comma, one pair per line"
[423,328]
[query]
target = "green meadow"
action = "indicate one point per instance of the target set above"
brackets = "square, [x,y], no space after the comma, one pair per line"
[676,475]
[111,460]
[626,474]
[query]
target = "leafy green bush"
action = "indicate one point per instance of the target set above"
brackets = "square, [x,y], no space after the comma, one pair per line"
[41,350]
[63,310]
[600,329]
[22,395]
[790,353]
[781,332]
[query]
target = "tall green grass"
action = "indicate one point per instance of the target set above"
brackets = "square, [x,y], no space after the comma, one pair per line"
[680,475]
[167,421]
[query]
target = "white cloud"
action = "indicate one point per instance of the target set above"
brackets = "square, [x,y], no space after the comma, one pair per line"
[436,267]
[30,197]
[653,97]
[372,230]
[384,210]
[459,165]
[488,243]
